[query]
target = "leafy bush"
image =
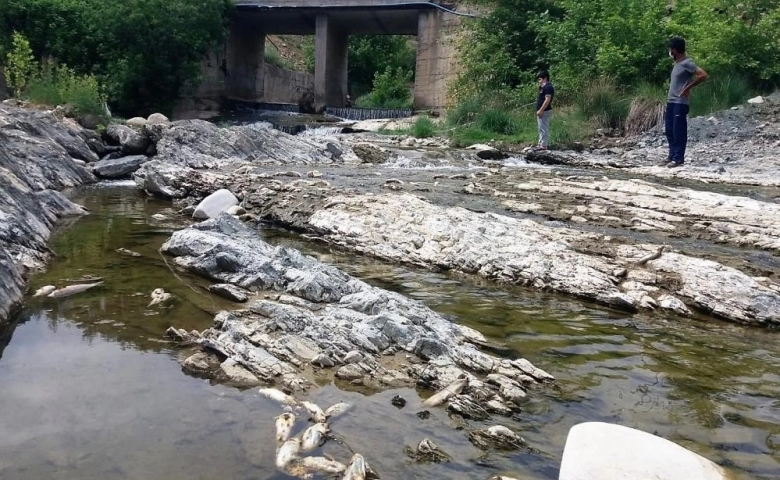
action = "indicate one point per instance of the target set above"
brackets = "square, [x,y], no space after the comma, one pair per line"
[391,90]
[272,56]
[60,85]
[20,65]
[144,51]
[423,127]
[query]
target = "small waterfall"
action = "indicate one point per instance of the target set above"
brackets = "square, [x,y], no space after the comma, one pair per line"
[321,131]
[359,114]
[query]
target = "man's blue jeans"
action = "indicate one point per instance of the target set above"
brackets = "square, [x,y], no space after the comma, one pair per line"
[676,126]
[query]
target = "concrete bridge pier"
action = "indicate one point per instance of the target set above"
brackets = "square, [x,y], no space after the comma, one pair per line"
[331,47]
[244,62]
[429,80]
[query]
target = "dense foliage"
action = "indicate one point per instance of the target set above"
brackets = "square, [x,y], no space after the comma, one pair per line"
[144,52]
[625,41]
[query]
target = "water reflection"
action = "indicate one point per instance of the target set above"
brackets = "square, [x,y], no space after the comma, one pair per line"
[96,393]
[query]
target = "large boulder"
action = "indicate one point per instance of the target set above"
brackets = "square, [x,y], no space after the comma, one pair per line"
[132,142]
[118,167]
[216,203]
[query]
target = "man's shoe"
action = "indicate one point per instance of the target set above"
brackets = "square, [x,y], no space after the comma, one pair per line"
[675,164]
[666,162]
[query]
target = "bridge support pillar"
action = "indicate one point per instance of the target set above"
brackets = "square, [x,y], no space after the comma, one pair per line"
[244,62]
[428,79]
[330,63]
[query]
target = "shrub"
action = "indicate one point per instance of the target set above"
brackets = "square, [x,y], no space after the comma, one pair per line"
[391,90]
[423,127]
[272,56]
[60,85]
[20,65]
[602,102]
[497,121]
[718,93]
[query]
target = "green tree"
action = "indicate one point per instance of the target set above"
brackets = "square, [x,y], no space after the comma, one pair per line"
[20,65]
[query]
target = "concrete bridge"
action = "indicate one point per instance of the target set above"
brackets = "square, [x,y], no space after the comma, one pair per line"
[332,22]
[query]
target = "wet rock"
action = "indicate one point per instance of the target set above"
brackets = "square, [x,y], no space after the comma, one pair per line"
[201,363]
[368,153]
[464,406]
[398,401]
[119,167]
[231,292]
[323,361]
[237,375]
[130,140]
[497,437]
[423,414]
[350,372]
[427,452]
[216,203]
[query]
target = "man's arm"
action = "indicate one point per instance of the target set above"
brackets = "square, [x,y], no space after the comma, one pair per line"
[547,100]
[699,76]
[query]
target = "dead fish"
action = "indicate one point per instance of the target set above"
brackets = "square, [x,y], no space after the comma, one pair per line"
[315,411]
[321,465]
[356,469]
[159,296]
[313,436]
[284,425]
[44,290]
[72,290]
[125,251]
[287,453]
[337,409]
[442,396]
[277,396]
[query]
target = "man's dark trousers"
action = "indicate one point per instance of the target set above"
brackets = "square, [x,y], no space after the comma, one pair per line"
[676,123]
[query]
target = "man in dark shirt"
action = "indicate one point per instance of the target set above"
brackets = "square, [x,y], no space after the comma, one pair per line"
[544,108]
[685,76]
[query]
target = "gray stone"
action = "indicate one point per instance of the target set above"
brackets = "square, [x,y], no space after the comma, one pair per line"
[216,203]
[157,118]
[132,141]
[36,156]
[237,375]
[231,292]
[350,372]
[136,122]
[118,167]
[323,361]
[227,262]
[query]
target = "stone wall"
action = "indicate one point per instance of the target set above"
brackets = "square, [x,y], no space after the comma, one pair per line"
[285,86]
[279,85]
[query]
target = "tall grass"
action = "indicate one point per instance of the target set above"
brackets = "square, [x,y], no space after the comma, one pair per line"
[423,127]
[718,93]
[602,102]
[59,85]
[272,56]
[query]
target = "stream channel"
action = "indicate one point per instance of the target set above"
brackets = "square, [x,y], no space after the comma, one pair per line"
[92,390]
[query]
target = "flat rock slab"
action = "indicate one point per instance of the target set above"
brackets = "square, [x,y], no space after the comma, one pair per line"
[216,203]
[307,310]
[118,167]
[596,450]
[231,292]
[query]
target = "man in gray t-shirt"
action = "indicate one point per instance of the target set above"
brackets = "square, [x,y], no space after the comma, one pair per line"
[685,76]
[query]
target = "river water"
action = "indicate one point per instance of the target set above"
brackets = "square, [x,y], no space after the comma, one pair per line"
[91,390]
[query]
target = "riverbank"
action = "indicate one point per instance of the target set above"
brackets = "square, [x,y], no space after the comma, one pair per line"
[39,155]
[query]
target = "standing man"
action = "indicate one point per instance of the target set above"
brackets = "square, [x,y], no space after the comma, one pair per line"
[685,76]
[544,107]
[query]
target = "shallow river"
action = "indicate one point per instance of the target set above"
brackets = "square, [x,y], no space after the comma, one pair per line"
[89,389]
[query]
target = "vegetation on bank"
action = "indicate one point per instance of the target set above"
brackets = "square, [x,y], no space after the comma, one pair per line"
[142,53]
[608,63]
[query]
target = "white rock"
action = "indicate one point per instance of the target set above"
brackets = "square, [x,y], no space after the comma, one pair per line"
[157,118]
[136,122]
[756,100]
[596,450]
[216,203]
